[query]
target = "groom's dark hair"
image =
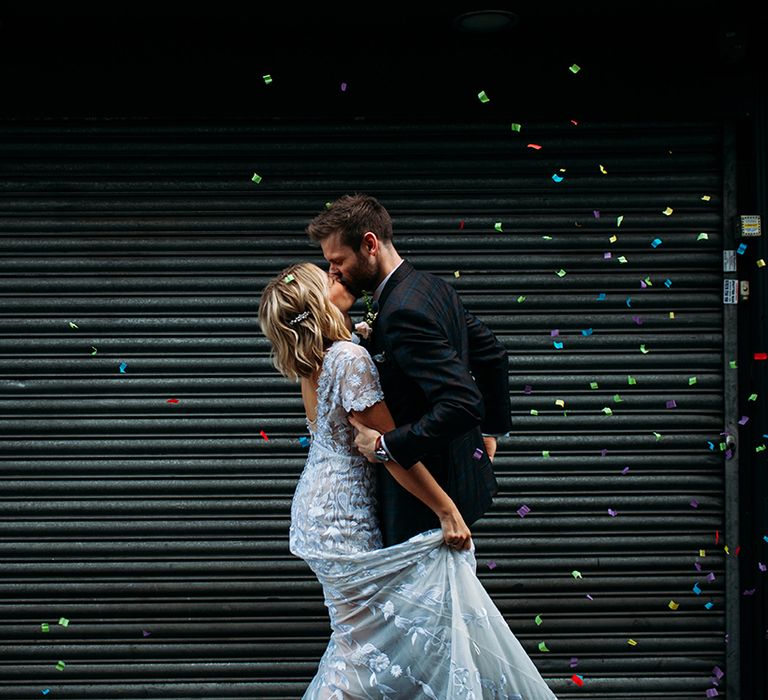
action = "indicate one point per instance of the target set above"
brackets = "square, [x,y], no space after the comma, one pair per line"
[352,216]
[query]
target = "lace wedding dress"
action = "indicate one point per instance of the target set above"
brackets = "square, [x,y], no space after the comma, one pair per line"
[410,621]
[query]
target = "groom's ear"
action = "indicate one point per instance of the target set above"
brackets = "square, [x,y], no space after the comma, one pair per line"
[370,243]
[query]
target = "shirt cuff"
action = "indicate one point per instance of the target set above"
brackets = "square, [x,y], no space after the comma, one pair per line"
[355,338]
[386,449]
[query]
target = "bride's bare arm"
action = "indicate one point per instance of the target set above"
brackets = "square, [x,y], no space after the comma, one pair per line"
[417,480]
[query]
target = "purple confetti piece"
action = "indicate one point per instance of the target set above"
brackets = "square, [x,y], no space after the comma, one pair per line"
[671,404]
[528,389]
[343,87]
[596,213]
[522,511]
[761,566]
[694,503]
[612,512]
[554,333]
[718,673]
[643,285]
[590,597]
[749,591]
[574,661]
[603,452]
[477,454]
[491,565]
[607,255]
[698,566]
[637,320]
[145,633]
[712,693]
[710,577]
[744,420]
[625,470]
[728,454]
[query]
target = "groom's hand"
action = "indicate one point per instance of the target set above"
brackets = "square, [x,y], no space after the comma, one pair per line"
[365,440]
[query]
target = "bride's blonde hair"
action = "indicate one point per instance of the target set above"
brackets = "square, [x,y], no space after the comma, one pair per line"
[299,319]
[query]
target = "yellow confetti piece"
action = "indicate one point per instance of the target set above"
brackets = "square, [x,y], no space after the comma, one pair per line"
[537,619]
[702,552]
[692,381]
[706,197]
[671,314]
[607,411]
[632,642]
[619,220]
[516,127]
[622,259]
[483,97]
[575,68]
[631,379]
[613,239]
[603,170]
[761,263]
[521,299]
[457,274]
[560,403]
[543,646]
[267,78]
[668,211]
[256,178]
[643,349]
[497,226]
[576,574]
[702,237]
[673,605]
[534,412]
[727,551]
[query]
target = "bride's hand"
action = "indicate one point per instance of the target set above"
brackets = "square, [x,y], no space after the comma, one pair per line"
[456,534]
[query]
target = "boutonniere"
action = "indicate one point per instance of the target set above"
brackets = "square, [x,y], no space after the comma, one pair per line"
[363,330]
[370,313]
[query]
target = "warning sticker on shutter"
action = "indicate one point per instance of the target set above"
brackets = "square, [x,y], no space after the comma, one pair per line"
[730,291]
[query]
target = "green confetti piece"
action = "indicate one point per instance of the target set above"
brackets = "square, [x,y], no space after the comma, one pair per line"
[631,379]
[593,385]
[328,205]
[267,78]
[60,665]
[534,412]
[497,226]
[547,238]
[643,349]
[752,397]
[543,646]
[45,627]
[94,350]
[647,280]
[516,127]
[607,411]
[73,325]
[658,435]
[561,273]
[622,259]
[732,364]
[520,299]
[64,622]
[483,97]
[537,619]
[722,447]
[545,453]
[760,448]
[692,381]
[288,278]
[576,574]
[256,178]
[619,220]
[702,237]
[617,398]
[575,68]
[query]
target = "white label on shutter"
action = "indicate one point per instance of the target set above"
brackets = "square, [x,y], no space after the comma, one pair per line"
[729,261]
[730,291]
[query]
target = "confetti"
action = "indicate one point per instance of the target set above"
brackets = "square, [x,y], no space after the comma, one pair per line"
[596,213]
[744,420]
[343,87]
[617,398]
[692,381]
[560,403]
[521,299]
[537,619]
[304,441]
[534,412]
[73,325]
[516,127]
[667,283]
[656,242]
[761,263]
[586,331]
[574,662]
[172,401]
[267,79]
[593,385]
[528,390]
[752,397]
[123,366]
[497,226]
[491,565]
[619,220]
[601,296]
[561,273]
[668,211]
[557,178]
[711,577]
[671,404]
[631,379]
[45,691]
[543,646]
[60,665]
[706,197]
[761,566]
[625,470]
[578,680]
[574,122]
[712,693]
[64,622]
[144,633]
[629,302]
[702,237]
[576,574]
[288,279]
[535,146]
[694,503]
[658,435]
[607,411]
[603,170]
[558,346]
[94,350]
[45,627]
[612,512]
[483,97]
[614,237]
[632,642]
[671,314]
[461,225]
[477,455]
[545,453]
[760,356]
[256,178]
[456,274]
[709,605]
[643,349]
[264,435]
[622,259]
[589,597]
[575,68]
[702,553]
[741,249]
[696,588]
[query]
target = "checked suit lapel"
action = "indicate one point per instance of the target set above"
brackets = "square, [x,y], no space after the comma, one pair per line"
[398,276]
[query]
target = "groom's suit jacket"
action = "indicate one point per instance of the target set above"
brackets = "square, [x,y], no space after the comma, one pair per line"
[445,379]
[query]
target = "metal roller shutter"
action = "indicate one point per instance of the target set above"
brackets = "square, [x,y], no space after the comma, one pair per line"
[140,501]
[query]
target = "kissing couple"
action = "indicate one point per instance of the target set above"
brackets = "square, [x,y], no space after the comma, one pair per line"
[404,417]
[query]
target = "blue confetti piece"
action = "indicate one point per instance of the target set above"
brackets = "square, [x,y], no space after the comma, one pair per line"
[46,691]
[740,250]
[629,302]
[558,346]
[601,296]
[123,365]
[696,589]
[711,445]
[587,331]
[709,605]
[667,283]
[304,441]
[765,537]
[557,178]
[656,242]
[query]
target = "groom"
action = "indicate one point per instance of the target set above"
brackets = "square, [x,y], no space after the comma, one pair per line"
[443,372]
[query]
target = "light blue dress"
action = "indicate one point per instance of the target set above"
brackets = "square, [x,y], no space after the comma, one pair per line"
[410,621]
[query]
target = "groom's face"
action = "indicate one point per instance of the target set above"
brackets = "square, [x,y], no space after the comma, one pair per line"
[356,270]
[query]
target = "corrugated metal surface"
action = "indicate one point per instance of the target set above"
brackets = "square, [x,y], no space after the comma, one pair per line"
[158,528]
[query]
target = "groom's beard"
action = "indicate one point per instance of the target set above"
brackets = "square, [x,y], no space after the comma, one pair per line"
[361,278]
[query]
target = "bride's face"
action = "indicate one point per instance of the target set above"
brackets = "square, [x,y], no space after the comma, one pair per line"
[339,295]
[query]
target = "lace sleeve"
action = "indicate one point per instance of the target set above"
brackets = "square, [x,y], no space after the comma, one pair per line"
[357,379]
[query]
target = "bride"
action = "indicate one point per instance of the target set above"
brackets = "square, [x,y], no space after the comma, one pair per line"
[409,621]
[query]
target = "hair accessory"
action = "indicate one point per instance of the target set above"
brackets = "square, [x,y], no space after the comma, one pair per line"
[288,278]
[299,318]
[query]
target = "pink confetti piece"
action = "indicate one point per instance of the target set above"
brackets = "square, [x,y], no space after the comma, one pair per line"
[643,285]
[522,511]
[612,512]
[694,503]
[491,565]
[535,146]
[574,122]
[671,404]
